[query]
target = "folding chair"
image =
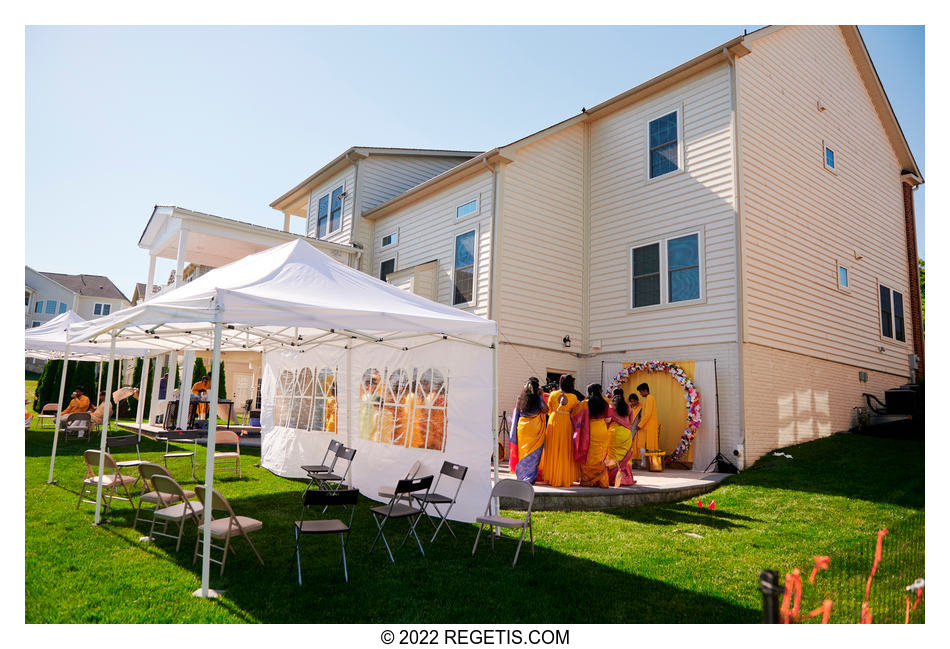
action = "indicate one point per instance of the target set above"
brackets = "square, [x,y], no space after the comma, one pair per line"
[518,490]
[333,479]
[323,467]
[77,423]
[387,492]
[224,527]
[181,512]
[316,498]
[450,470]
[111,479]
[174,454]
[228,437]
[48,413]
[147,471]
[121,442]
[395,509]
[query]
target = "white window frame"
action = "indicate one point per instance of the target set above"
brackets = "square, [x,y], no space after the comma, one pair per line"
[379,268]
[838,266]
[825,147]
[38,306]
[665,273]
[476,212]
[395,239]
[892,339]
[680,149]
[102,307]
[474,301]
[328,194]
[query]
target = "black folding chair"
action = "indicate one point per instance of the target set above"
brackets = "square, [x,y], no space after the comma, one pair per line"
[323,467]
[325,499]
[113,443]
[450,470]
[333,479]
[396,509]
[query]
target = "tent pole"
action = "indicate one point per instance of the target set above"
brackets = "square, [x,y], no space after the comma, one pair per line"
[143,381]
[494,416]
[105,431]
[348,400]
[59,410]
[209,458]
[99,379]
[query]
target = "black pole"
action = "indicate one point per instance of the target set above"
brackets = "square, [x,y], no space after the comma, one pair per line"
[770,589]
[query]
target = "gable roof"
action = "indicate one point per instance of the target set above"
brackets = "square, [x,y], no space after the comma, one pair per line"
[737,48]
[88,285]
[351,156]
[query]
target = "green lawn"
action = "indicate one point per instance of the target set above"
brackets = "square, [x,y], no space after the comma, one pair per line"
[643,566]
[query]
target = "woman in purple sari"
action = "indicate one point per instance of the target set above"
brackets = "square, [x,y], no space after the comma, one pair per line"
[527,430]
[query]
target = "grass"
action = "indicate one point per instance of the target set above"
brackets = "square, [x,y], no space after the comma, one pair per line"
[644,567]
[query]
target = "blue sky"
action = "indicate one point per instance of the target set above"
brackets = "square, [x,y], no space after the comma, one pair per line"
[224,120]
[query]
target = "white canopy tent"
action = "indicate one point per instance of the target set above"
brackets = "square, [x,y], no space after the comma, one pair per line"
[49,341]
[303,309]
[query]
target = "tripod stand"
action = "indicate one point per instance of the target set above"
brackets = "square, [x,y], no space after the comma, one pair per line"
[723,465]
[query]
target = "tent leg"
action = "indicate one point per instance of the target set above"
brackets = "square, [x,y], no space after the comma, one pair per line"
[209,461]
[494,417]
[59,410]
[105,430]
[143,381]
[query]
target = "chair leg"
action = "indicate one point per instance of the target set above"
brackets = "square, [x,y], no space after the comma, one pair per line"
[412,529]
[297,555]
[181,530]
[82,492]
[138,510]
[151,529]
[249,542]
[531,534]
[346,577]
[380,534]
[518,551]
[224,556]
[477,536]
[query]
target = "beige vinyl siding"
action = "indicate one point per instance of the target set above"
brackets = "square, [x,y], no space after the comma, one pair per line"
[792,398]
[384,176]
[627,210]
[427,231]
[800,220]
[516,363]
[540,281]
[347,179]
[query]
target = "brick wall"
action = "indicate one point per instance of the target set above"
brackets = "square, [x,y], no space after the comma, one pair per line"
[791,398]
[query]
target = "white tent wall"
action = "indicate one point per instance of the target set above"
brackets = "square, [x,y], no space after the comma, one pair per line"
[467,369]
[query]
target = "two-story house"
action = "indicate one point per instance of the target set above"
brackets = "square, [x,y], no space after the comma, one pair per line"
[49,294]
[749,211]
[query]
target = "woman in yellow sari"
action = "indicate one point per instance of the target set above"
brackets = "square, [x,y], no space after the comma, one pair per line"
[329,411]
[557,458]
[530,422]
[620,451]
[593,468]
[370,399]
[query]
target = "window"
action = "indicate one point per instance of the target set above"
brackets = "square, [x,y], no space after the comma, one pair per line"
[464,276]
[666,271]
[829,159]
[842,276]
[336,209]
[646,275]
[323,216]
[62,307]
[101,309]
[892,314]
[468,208]
[390,240]
[27,300]
[39,307]
[664,145]
[36,323]
[51,306]
[386,267]
[683,256]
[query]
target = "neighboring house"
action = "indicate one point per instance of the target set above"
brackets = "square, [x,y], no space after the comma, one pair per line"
[49,294]
[750,210]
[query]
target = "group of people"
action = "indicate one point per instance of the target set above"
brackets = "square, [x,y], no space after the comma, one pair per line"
[565,437]
[79,402]
[403,412]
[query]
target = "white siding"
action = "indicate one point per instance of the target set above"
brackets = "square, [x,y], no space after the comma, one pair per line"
[516,363]
[540,281]
[627,209]
[799,219]
[46,290]
[347,179]
[427,231]
[384,176]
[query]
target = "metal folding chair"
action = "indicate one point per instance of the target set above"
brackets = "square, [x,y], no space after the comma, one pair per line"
[181,512]
[224,527]
[396,509]
[452,471]
[387,492]
[518,490]
[323,467]
[111,479]
[232,458]
[169,454]
[147,471]
[325,499]
[335,479]
[122,442]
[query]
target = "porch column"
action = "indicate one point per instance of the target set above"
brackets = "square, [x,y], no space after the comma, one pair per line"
[151,277]
[184,400]
[286,221]
[172,371]
[180,260]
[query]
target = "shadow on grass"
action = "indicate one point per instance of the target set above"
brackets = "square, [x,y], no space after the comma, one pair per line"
[854,466]
[446,585]
[681,514]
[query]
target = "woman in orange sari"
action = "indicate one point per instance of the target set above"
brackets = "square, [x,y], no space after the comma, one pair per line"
[557,458]
[593,431]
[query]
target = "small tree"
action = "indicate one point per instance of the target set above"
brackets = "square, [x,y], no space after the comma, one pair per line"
[199,371]
[222,390]
[136,382]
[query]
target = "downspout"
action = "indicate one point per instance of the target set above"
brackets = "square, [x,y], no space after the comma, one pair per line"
[353,215]
[585,292]
[740,261]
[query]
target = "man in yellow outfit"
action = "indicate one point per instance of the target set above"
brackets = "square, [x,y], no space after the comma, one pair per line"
[649,421]
[79,401]
[200,389]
